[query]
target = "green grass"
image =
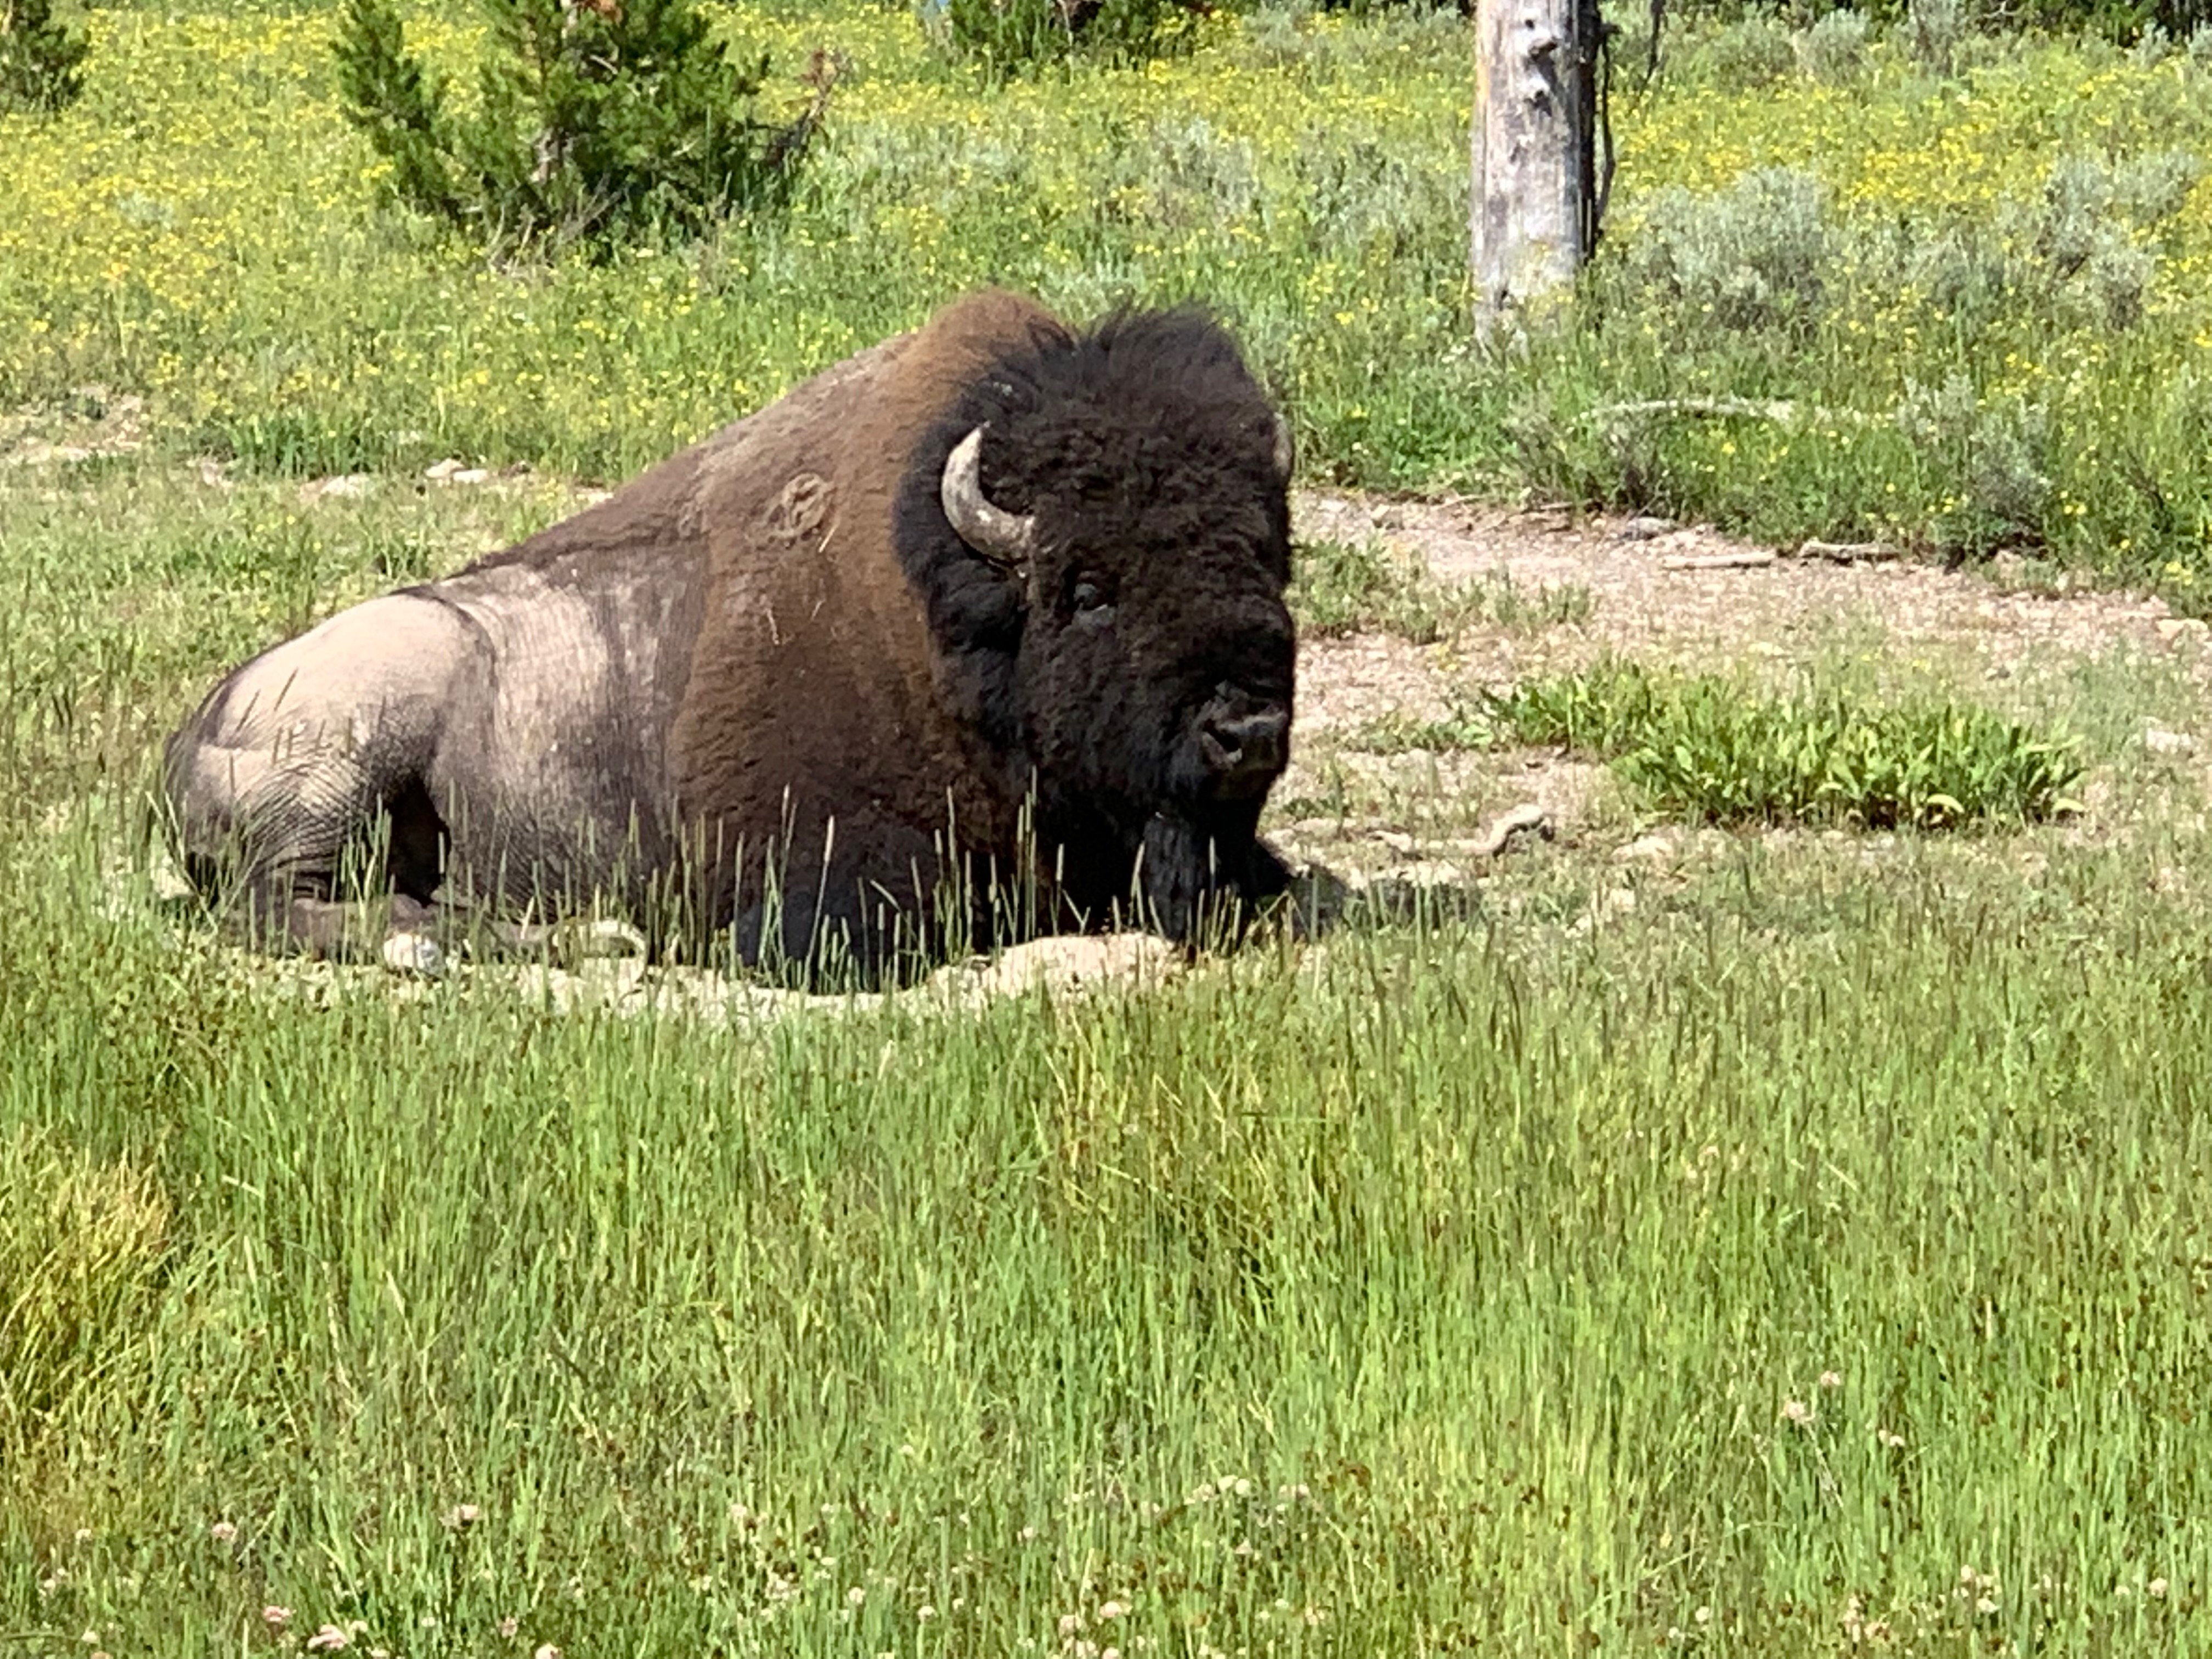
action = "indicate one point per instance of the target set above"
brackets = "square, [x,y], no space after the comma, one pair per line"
[1980,294]
[1717,748]
[1461,729]
[1435,1287]
[1492,1265]
[1341,587]
[1490,1260]
[1345,588]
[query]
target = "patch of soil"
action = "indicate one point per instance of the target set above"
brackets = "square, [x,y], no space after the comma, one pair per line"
[1063,970]
[1371,814]
[90,423]
[1710,617]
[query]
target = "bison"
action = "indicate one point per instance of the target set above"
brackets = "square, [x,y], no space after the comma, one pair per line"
[977,635]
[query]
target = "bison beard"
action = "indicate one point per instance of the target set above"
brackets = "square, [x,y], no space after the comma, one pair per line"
[978,634]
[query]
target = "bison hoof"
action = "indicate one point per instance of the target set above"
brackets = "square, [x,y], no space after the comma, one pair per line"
[413,955]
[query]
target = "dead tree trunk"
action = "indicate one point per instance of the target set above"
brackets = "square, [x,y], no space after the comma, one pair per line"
[1537,184]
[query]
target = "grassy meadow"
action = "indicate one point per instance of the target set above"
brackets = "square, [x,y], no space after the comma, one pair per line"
[1980,277]
[1806,1251]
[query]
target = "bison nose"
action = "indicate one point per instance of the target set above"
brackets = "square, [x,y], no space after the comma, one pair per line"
[1245,750]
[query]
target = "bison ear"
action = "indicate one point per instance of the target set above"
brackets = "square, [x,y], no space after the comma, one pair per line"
[1286,450]
[1004,539]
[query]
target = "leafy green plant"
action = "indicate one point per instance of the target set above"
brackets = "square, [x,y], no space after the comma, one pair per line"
[596,121]
[1706,747]
[40,59]
[1010,36]
[1369,586]
[1508,604]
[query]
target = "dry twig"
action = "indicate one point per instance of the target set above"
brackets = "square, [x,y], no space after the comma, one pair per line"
[1750,558]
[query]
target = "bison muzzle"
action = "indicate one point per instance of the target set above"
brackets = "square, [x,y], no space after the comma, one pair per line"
[977,635]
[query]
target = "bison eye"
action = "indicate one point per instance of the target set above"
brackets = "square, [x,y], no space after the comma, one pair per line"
[1090,597]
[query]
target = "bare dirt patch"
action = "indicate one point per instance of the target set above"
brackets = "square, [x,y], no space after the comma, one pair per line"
[1064,970]
[90,423]
[1374,808]
[1702,617]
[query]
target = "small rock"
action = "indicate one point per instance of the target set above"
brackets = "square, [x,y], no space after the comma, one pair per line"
[1647,846]
[212,474]
[2159,741]
[165,881]
[1061,965]
[1427,873]
[470,475]
[345,486]
[604,938]
[443,471]
[1644,529]
[415,955]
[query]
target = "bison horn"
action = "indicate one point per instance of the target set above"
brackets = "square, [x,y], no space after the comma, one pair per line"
[1000,536]
[1286,446]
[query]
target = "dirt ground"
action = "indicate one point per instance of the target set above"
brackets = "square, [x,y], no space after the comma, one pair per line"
[2024,639]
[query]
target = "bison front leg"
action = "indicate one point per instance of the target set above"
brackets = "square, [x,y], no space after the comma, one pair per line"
[286,914]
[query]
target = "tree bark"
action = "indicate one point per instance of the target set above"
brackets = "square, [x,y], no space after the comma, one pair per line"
[1534,150]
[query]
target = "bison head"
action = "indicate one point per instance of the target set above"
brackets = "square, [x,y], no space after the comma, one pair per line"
[1100,527]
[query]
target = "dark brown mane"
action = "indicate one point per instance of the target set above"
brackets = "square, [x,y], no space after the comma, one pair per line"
[1058,407]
